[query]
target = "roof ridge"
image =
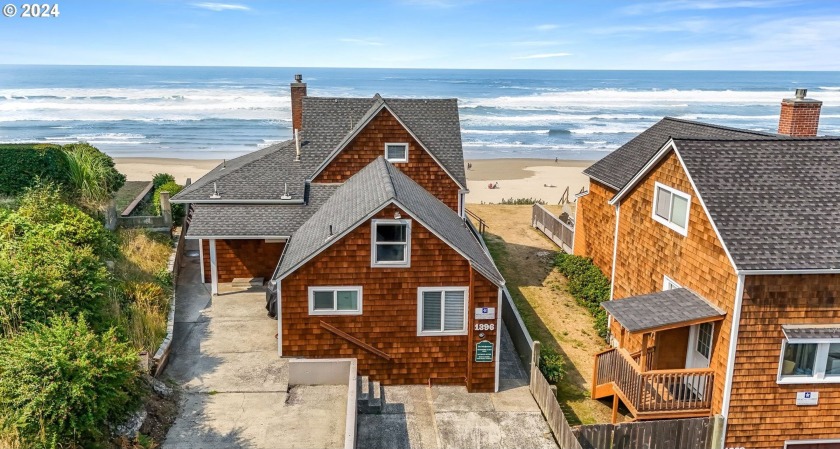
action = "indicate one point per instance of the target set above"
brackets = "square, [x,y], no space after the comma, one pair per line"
[727,128]
[208,177]
[779,139]
[390,186]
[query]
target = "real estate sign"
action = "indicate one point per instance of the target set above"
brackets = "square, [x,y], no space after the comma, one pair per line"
[484,351]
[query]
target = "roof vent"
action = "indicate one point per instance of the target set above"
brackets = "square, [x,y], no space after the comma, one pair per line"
[224,164]
[800,94]
[285,195]
[215,194]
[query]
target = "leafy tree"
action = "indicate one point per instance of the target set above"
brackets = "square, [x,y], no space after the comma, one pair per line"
[61,384]
[177,209]
[161,179]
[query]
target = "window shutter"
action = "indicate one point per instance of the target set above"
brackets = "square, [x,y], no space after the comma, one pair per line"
[431,311]
[454,311]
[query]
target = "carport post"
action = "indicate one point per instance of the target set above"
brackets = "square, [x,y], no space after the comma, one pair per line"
[214,269]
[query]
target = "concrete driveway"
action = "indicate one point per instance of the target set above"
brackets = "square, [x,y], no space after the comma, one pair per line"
[235,385]
[447,417]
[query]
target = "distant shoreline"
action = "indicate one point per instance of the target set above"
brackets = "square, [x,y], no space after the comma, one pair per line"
[517,177]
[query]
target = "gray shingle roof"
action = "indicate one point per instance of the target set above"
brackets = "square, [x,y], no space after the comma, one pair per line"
[776,203]
[329,121]
[366,192]
[261,175]
[814,331]
[618,168]
[644,313]
[255,220]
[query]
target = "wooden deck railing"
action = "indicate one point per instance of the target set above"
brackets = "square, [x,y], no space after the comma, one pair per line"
[561,233]
[656,391]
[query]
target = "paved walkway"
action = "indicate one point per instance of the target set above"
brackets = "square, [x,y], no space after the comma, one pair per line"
[235,385]
[443,417]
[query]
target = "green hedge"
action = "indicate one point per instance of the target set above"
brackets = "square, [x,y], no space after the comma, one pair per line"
[588,285]
[22,165]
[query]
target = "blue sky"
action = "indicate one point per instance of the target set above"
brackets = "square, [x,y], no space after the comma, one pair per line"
[553,34]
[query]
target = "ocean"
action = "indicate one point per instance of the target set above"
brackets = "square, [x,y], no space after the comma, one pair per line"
[224,112]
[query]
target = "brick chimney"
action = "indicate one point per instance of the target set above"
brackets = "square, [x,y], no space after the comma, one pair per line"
[800,116]
[298,92]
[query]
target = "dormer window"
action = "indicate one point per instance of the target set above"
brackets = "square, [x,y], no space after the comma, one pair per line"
[396,152]
[391,243]
[670,207]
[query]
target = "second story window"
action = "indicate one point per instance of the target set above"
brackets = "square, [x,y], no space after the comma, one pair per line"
[396,152]
[391,243]
[670,207]
[810,355]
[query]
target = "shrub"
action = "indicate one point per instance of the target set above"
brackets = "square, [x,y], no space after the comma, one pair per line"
[588,285]
[62,384]
[42,207]
[92,173]
[41,277]
[22,165]
[177,209]
[161,179]
[522,201]
[552,365]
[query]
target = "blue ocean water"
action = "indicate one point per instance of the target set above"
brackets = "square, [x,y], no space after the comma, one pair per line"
[223,112]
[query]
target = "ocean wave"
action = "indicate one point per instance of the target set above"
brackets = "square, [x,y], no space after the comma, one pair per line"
[538,146]
[101,139]
[505,131]
[622,99]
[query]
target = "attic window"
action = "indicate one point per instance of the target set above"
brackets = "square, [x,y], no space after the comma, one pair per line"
[396,152]
[391,243]
[670,207]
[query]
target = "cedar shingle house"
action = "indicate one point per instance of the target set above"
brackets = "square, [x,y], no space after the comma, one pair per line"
[723,247]
[358,225]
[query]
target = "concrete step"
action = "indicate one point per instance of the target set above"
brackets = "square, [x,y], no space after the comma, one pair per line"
[247,282]
[370,396]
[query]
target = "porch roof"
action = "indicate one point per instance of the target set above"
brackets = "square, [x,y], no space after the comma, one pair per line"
[811,333]
[663,310]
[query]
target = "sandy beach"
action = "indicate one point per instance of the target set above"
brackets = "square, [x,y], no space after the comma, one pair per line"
[517,178]
[144,168]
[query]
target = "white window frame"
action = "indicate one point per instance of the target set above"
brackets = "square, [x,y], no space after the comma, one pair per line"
[820,359]
[390,264]
[402,144]
[421,290]
[667,280]
[667,222]
[793,444]
[334,289]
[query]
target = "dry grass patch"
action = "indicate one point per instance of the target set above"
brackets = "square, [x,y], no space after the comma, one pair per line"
[140,300]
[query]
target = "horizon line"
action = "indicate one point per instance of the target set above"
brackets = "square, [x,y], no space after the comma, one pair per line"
[411,68]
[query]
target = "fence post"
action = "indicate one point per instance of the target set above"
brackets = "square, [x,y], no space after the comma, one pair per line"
[111,215]
[166,208]
[717,433]
[535,356]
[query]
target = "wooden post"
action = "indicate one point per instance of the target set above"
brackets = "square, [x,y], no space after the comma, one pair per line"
[614,417]
[214,269]
[165,208]
[643,357]
[621,338]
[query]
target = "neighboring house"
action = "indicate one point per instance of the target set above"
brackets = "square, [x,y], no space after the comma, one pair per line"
[723,248]
[358,224]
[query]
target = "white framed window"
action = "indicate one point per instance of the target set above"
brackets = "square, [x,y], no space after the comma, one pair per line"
[670,207]
[669,284]
[704,340]
[805,361]
[442,311]
[390,243]
[396,152]
[335,300]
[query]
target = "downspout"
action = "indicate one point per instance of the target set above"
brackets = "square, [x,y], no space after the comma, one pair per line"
[730,360]
[614,261]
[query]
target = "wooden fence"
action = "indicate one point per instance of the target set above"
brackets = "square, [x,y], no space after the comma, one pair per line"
[547,400]
[561,233]
[694,433]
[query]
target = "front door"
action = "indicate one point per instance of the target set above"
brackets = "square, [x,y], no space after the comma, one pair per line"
[699,355]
